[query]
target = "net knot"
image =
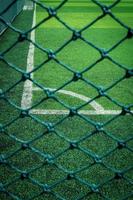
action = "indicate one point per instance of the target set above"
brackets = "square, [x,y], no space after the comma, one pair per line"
[25,146]
[51,12]
[46,188]
[25,76]
[129,73]
[73,145]
[76,35]
[121,144]
[50,94]
[72,112]
[50,127]
[130,33]
[103,53]
[24,113]
[125,110]
[51,55]
[118,175]
[77,76]
[24,175]
[70,176]
[101,91]
[22,37]
[49,159]
[94,188]
[97,159]
[106,10]
[99,127]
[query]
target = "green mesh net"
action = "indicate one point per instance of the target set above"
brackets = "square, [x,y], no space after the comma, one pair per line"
[65,152]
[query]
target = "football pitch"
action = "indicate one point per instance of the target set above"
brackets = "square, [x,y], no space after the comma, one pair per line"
[80,58]
[66,121]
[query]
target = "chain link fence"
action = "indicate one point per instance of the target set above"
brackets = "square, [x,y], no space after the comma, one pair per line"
[48,175]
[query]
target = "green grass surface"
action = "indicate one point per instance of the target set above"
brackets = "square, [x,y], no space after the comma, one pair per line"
[78,55]
[33,130]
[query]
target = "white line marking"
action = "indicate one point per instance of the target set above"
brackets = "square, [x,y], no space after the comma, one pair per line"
[83,112]
[26,101]
[94,104]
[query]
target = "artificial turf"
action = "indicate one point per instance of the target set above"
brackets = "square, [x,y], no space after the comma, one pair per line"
[56,143]
[78,55]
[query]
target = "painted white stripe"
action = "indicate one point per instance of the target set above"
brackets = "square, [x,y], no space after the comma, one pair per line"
[26,101]
[94,104]
[66,112]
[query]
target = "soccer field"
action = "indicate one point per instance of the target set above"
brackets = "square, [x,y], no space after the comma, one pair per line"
[81,58]
[67,130]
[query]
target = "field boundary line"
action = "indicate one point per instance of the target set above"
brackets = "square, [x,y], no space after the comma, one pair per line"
[66,112]
[26,101]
